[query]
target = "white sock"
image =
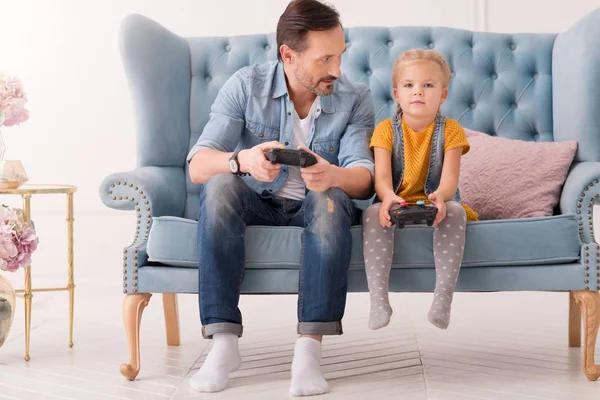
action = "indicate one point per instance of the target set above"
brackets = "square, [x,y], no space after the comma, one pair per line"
[307,378]
[223,359]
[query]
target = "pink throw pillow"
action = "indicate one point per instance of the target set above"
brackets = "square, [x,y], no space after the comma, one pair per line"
[505,178]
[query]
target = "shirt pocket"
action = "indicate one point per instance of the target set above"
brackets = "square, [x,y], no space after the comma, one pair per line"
[328,149]
[260,133]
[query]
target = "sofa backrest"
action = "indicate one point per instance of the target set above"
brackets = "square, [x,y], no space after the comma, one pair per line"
[502,84]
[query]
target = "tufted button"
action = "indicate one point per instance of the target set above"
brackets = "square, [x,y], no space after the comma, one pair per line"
[535,76]
[390,43]
[228,48]
[267,47]
[513,46]
[431,45]
[472,105]
[513,106]
[331,149]
[494,76]
[208,78]
[368,72]
[261,135]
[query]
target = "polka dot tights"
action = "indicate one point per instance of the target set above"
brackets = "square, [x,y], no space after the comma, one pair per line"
[378,250]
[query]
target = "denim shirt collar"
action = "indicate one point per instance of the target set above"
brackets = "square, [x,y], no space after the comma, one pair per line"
[280,89]
[279,84]
[327,103]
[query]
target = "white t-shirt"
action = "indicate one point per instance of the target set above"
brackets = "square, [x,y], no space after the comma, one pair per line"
[294,187]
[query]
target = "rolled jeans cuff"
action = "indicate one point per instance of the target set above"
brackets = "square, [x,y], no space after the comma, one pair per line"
[222,327]
[320,328]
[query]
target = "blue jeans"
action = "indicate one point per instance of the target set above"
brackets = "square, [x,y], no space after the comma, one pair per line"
[227,206]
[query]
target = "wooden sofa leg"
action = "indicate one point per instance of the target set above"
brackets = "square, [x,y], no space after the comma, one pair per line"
[590,308]
[574,322]
[171,318]
[133,307]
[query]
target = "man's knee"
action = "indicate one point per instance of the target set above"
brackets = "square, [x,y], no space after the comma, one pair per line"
[221,189]
[329,216]
[330,213]
[332,202]
[222,198]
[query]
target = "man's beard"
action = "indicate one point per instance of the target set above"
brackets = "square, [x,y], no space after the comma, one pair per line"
[314,85]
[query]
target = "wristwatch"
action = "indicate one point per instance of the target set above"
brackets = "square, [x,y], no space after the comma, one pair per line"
[234,164]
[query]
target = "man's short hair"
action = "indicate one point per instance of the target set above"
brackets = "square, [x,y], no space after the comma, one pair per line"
[301,17]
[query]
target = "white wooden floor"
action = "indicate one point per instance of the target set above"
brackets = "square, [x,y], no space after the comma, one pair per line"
[498,346]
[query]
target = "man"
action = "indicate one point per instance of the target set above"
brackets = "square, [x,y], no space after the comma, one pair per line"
[301,101]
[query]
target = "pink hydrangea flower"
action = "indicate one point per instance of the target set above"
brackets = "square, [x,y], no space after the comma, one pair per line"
[12,101]
[18,240]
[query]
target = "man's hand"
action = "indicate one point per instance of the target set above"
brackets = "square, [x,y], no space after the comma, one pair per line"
[439,202]
[386,204]
[254,162]
[320,176]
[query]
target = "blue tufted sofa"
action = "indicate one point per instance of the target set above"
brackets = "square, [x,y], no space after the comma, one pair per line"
[536,87]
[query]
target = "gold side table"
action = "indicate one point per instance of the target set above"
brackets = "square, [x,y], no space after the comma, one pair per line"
[26,191]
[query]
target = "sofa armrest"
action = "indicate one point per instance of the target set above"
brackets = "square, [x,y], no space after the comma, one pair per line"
[155,191]
[151,192]
[580,192]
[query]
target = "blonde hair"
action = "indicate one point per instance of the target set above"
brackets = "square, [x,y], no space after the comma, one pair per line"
[414,55]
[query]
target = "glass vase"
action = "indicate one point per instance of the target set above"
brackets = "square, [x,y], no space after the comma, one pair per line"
[12,172]
[7,308]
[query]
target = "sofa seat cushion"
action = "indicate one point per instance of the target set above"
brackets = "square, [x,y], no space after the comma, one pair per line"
[528,241]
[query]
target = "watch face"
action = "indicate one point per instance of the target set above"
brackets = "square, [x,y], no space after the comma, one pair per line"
[233,166]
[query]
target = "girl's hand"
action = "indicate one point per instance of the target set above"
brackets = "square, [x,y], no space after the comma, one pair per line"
[384,211]
[441,206]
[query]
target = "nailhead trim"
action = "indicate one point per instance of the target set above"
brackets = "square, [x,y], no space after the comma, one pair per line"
[590,254]
[586,201]
[136,250]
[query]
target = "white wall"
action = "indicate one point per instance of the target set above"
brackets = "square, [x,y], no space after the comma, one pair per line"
[81,127]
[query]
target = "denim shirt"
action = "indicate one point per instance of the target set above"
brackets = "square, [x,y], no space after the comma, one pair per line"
[436,156]
[254,107]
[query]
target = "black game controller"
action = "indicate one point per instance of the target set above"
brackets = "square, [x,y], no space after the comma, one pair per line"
[413,213]
[296,158]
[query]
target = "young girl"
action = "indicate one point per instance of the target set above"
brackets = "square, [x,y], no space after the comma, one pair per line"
[417,157]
